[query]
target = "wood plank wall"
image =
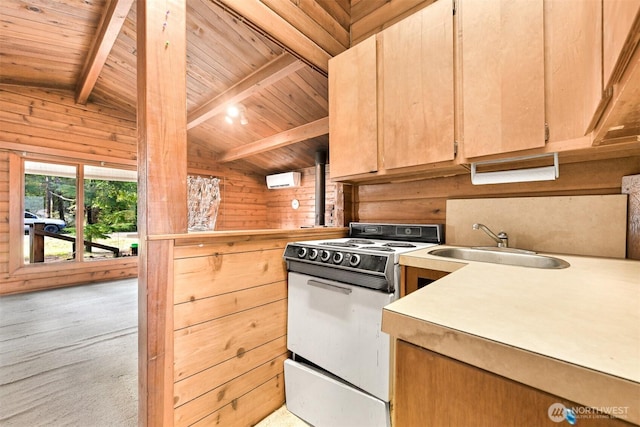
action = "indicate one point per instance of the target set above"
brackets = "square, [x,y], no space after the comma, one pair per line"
[425,200]
[230,321]
[282,215]
[49,122]
[230,333]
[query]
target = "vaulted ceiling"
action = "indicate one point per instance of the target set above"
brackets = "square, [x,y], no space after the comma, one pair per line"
[89,47]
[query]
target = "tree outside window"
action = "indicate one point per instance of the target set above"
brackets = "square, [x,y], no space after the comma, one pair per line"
[108,215]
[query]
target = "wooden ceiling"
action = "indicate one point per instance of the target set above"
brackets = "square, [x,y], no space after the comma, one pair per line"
[89,47]
[270,55]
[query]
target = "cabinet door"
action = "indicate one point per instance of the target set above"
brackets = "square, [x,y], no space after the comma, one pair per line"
[353,129]
[417,88]
[434,390]
[618,19]
[573,66]
[502,75]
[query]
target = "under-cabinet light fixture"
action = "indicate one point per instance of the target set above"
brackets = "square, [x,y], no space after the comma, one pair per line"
[544,173]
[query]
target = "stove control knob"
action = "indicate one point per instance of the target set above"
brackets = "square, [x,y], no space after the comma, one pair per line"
[354,260]
[302,252]
[338,257]
[325,256]
[313,254]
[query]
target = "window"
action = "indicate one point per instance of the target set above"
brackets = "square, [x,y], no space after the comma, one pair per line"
[110,219]
[61,215]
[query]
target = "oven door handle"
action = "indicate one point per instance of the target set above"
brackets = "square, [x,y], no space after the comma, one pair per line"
[329,286]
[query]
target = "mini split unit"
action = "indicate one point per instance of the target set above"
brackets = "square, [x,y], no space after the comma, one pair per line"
[283,180]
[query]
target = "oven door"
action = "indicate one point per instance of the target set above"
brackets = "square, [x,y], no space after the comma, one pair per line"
[337,327]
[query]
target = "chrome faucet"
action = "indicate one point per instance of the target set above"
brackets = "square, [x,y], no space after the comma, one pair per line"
[501,239]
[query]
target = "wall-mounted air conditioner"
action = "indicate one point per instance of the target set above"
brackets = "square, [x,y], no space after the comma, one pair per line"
[283,180]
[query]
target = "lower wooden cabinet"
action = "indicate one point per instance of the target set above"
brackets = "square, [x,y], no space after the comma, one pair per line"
[434,390]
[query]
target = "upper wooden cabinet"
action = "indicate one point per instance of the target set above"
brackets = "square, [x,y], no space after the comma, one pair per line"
[391,104]
[573,66]
[618,119]
[618,19]
[353,106]
[417,88]
[501,75]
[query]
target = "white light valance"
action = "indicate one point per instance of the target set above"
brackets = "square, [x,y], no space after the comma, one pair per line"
[543,173]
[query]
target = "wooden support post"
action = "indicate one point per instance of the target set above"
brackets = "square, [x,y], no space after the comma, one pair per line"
[162,194]
[36,243]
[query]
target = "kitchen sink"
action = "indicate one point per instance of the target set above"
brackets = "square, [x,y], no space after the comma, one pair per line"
[506,256]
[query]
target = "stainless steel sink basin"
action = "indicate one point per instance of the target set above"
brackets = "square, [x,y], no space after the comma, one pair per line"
[502,256]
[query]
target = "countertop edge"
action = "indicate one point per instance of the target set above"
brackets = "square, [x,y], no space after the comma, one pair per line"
[572,382]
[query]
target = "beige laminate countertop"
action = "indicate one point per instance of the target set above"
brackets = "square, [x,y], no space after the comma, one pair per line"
[572,332]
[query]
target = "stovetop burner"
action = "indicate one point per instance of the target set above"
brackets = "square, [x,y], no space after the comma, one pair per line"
[361,241]
[339,244]
[380,248]
[399,245]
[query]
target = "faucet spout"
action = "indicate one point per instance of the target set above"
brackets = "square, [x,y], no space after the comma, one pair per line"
[501,238]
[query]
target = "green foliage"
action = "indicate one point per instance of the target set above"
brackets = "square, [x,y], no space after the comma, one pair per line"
[96,231]
[114,202]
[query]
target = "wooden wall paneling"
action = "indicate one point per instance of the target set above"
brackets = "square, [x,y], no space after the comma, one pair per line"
[282,215]
[49,123]
[205,309]
[197,385]
[222,395]
[420,200]
[251,407]
[243,203]
[193,275]
[230,320]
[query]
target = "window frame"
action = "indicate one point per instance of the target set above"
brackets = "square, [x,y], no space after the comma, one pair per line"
[16,213]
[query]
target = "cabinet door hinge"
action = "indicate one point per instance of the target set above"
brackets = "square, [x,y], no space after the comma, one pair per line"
[546,132]
[455,149]
[454,6]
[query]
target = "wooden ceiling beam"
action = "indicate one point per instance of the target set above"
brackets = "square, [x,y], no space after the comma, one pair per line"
[269,21]
[273,71]
[108,30]
[301,133]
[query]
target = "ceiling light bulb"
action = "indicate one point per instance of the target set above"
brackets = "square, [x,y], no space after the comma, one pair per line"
[228,120]
[233,111]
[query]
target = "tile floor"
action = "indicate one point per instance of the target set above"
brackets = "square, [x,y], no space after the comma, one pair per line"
[282,418]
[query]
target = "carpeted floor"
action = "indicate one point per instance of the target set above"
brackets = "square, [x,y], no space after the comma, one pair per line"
[68,357]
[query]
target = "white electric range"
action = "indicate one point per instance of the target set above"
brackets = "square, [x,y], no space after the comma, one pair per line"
[339,373]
